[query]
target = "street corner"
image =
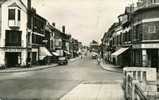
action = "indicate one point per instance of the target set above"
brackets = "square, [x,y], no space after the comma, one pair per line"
[111,68]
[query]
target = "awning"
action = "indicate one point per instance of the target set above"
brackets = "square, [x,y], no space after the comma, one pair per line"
[118,52]
[44,52]
[55,54]
[67,52]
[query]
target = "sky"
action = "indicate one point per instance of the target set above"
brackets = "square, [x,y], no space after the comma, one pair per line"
[85,20]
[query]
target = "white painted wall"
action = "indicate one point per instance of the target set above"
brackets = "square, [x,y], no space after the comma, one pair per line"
[23,22]
[5,26]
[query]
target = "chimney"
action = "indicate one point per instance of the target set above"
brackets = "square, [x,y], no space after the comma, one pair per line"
[63,28]
[54,24]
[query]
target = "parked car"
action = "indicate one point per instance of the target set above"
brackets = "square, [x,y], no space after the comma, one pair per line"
[62,60]
[94,55]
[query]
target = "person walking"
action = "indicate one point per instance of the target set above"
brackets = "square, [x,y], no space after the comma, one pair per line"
[98,59]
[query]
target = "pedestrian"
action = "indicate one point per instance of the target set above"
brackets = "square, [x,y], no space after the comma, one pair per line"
[98,59]
[81,56]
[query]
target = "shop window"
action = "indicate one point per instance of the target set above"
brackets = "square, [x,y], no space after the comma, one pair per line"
[13,38]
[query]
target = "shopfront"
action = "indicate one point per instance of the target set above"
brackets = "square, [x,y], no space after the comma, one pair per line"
[13,59]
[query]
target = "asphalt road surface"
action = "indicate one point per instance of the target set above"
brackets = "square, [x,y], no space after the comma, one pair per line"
[53,83]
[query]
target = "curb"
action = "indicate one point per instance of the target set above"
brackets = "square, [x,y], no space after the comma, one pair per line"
[109,69]
[33,68]
[29,69]
[73,60]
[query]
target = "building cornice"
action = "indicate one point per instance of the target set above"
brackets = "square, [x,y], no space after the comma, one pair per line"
[146,21]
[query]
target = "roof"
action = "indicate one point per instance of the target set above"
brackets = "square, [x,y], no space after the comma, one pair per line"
[139,10]
[2,1]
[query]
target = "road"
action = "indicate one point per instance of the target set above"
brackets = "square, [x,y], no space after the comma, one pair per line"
[53,83]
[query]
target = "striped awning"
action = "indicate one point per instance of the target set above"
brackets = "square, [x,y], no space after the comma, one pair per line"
[44,52]
[55,54]
[118,52]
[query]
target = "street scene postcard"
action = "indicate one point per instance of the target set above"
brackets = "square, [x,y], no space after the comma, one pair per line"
[79,49]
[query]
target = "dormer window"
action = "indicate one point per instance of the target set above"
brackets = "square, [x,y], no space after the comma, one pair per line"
[14,15]
[11,14]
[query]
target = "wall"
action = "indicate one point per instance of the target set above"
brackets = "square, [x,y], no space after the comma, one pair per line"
[5,26]
[23,23]
[143,20]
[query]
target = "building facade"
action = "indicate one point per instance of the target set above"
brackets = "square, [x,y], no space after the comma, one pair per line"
[145,36]
[26,38]
[134,40]
[13,33]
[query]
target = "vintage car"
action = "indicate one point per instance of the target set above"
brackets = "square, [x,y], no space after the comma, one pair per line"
[62,60]
[94,55]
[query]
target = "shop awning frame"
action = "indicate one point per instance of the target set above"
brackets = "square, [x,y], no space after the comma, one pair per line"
[44,52]
[55,54]
[119,52]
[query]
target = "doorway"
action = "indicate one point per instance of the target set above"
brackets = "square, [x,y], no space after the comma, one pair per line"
[153,57]
[12,59]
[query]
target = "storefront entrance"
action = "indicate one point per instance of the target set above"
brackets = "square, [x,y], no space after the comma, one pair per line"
[34,58]
[12,59]
[153,57]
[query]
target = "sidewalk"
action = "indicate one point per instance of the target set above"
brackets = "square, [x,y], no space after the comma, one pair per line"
[97,91]
[110,67]
[33,68]
[74,59]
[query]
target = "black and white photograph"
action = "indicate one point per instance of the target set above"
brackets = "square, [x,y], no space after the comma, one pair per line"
[79,49]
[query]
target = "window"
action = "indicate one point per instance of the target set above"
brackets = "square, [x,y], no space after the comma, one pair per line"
[19,15]
[151,29]
[153,1]
[13,38]
[11,14]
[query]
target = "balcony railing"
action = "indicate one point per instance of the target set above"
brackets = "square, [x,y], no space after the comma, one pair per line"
[139,84]
[148,5]
[14,23]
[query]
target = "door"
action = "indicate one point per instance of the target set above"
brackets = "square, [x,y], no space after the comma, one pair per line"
[11,59]
[154,58]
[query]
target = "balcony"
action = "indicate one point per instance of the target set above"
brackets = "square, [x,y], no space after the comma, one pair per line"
[146,6]
[14,24]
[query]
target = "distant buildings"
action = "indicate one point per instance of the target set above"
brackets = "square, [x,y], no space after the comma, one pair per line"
[94,46]
[26,38]
[134,40]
